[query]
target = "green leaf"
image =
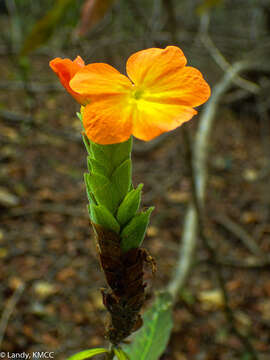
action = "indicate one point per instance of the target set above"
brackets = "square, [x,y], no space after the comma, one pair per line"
[96,167]
[129,205]
[90,196]
[151,340]
[102,156]
[121,152]
[87,354]
[133,234]
[103,191]
[86,144]
[121,179]
[79,116]
[120,354]
[111,156]
[110,174]
[100,215]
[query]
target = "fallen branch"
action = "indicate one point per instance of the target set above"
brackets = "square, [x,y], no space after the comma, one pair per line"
[44,208]
[220,59]
[240,233]
[250,264]
[32,86]
[17,118]
[9,310]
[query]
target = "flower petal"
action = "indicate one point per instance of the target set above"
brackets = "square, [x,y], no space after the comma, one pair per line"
[151,119]
[65,69]
[184,87]
[100,79]
[146,67]
[109,120]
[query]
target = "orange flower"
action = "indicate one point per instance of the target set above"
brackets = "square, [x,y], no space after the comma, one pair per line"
[157,96]
[65,70]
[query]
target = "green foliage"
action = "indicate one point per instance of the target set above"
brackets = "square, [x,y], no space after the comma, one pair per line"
[100,154]
[110,174]
[121,178]
[114,204]
[85,140]
[120,151]
[103,190]
[97,167]
[133,234]
[87,354]
[111,156]
[90,196]
[100,215]
[129,205]
[79,116]
[120,354]
[151,340]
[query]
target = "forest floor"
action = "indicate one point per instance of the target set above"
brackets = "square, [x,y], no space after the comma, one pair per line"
[47,246]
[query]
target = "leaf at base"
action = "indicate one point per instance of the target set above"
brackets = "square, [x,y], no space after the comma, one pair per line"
[120,354]
[87,354]
[151,340]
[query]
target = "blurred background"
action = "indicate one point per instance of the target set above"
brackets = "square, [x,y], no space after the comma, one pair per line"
[50,276]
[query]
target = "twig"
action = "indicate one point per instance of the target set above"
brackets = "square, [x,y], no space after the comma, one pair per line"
[32,86]
[172,21]
[198,205]
[16,118]
[220,59]
[206,123]
[250,264]
[140,15]
[43,208]
[186,254]
[8,310]
[263,107]
[16,33]
[241,233]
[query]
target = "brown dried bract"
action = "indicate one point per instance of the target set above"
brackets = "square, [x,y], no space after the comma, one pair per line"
[124,275]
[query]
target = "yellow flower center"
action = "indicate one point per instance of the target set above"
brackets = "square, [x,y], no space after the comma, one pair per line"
[137,94]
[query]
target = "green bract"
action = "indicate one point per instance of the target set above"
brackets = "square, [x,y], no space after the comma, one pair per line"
[133,234]
[113,202]
[129,206]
